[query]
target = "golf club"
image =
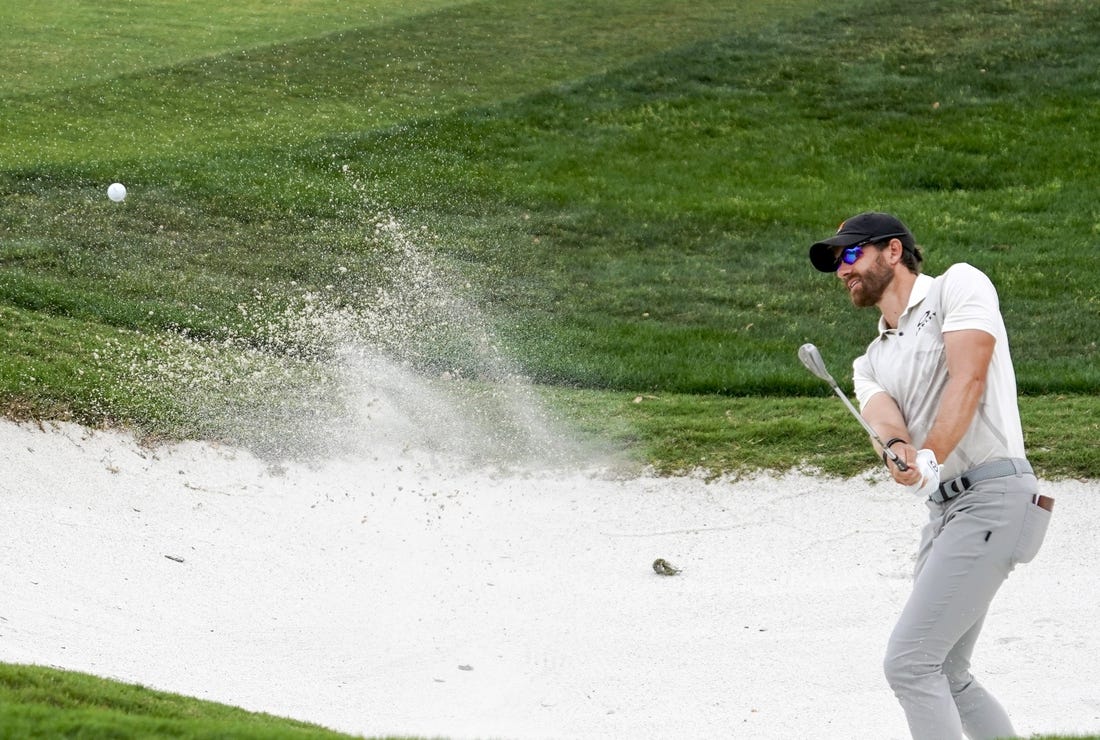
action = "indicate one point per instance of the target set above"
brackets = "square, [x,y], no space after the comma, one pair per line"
[811,358]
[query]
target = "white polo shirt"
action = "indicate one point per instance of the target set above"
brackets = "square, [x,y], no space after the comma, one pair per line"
[909,364]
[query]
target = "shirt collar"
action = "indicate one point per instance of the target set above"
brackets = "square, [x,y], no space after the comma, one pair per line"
[920,290]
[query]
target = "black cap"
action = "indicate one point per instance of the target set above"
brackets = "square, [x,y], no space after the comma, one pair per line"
[866,227]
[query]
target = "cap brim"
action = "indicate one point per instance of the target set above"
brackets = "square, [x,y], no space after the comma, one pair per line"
[823,254]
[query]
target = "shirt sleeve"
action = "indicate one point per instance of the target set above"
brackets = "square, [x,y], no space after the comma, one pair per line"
[969,300]
[863,379]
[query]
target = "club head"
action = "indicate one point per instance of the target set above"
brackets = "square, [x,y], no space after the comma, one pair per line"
[811,358]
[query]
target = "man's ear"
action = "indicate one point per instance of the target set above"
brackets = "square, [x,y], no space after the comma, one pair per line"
[896,250]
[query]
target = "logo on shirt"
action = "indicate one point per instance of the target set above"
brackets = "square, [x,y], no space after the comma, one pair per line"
[928,316]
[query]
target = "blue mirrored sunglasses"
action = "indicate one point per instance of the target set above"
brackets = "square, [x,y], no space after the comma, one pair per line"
[849,255]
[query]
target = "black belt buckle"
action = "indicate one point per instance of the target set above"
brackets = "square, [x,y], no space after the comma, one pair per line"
[954,487]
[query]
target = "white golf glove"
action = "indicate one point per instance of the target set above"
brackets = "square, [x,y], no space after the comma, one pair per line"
[930,474]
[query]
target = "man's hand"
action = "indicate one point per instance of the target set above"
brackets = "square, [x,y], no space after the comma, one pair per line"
[923,475]
[929,471]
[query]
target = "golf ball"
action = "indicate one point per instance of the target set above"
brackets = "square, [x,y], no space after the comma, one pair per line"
[117,192]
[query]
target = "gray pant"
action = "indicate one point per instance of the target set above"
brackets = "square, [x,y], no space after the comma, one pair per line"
[967,550]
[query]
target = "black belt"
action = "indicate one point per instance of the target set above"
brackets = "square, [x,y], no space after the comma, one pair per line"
[986,471]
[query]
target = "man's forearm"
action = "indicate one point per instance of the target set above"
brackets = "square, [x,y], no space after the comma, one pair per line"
[961,397]
[969,353]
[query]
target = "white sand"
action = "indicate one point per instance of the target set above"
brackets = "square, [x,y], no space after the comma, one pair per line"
[398,596]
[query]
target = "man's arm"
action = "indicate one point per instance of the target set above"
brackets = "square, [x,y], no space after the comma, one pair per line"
[969,352]
[882,413]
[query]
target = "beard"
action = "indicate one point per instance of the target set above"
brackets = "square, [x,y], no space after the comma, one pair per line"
[872,284]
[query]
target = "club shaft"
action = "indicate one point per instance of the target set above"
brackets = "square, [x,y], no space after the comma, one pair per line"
[870,430]
[811,358]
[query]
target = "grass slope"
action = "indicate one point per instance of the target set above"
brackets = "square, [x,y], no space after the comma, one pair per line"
[39,702]
[627,189]
[56,46]
[671,201]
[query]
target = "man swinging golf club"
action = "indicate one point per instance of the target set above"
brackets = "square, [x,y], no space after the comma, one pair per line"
[937,384]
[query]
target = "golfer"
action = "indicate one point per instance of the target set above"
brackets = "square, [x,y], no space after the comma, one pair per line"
[937,383]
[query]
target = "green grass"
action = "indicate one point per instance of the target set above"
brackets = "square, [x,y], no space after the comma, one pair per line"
[56,46]
[38,702]
[716,434]
[672,199]
[617,197]
[627,189]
